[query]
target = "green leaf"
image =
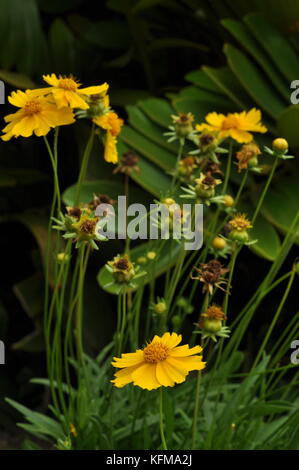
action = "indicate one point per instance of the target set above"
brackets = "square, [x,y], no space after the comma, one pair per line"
[110,188]
[152,151]
[158,110]
[229,84]
[241,33]
[42,424]
[208,98]
[253,81]
[109,34]
[17,80]
[202,80]
[62,44]
[165,43]
[166,257]
[279,209]
[288,124]
[276,45]
[268,244]
[145,126]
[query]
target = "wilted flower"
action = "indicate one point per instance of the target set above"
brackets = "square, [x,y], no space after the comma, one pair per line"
[247,156]
[211,274]
[121,268]
[128,163]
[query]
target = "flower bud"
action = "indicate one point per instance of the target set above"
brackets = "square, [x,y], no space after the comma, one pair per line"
[160,307]
[229,201]
[218,243]
[280,145]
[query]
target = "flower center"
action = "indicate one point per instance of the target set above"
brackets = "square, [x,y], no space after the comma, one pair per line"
[155,352]
[68,84]
[32,107]
[122,264]
[230,122]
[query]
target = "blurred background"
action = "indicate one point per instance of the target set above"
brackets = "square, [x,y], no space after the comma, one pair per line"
[159,57]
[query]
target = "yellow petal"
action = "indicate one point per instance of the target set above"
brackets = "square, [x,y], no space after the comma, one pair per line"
[215,119]
[240,136]
[171,340]
[123,376]
[187,363]
[75,100]
[18,98]
[129,359]
[145,377]
[185,351]
[51,79]
[162,375]
[94,90]
[176,374]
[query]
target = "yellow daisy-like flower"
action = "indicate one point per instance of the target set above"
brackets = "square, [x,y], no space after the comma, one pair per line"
[238,126]
[161,363]
[112,124]
[36,115]
[240,223]
[66,91]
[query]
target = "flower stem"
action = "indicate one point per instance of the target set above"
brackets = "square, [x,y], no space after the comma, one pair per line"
[266,187]
[84,164]
[164,445]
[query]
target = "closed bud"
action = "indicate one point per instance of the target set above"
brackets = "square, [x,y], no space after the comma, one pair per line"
[280,145]
[218,243]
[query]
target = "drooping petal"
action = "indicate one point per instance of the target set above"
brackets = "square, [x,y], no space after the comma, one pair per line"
[110,151]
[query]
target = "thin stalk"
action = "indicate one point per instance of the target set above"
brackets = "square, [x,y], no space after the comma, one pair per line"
[164,445]
[84,164]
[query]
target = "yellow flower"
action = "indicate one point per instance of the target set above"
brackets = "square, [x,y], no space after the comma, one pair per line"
[235,125]
[66,91]
[240,223]
[36,115]
[161,363]
[112,124]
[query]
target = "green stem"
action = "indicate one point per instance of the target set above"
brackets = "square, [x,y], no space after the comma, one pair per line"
[84,164]
[261,199]
[164,445]
[228,168]
[275,318]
